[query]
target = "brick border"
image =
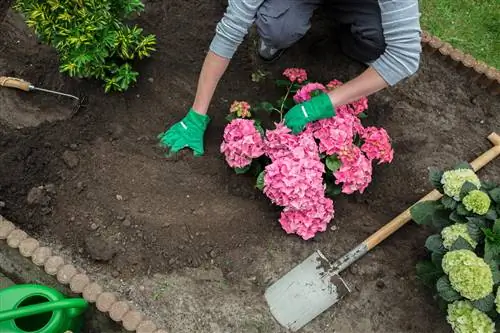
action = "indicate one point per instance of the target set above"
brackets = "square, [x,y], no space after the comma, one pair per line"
[78,281]
[485,76]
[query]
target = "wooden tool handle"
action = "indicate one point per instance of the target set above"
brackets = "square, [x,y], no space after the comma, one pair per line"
[404,217]
[12,82]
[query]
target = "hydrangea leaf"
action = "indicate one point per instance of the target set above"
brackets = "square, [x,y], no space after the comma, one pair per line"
[488,186]
[440,219]
[260,181]
[462,165]
[495,194]
[422,212]
[333,163]
[428,273]
[449,202]
[475,231]
[434,243]
[461,244]
[485,304]
[491,214]
[466,188]
[457,218]
[446,291]
[435,177]
[265,106]
[437,258]
[461,210]
[240,171]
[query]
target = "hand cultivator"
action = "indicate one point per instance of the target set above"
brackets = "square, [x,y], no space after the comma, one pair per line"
[314,285]
[12,82]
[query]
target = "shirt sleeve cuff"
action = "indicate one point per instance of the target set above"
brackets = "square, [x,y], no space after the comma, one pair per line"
[223,46]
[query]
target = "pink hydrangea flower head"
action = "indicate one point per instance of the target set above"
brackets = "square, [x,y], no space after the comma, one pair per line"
[305,93]
[281,143]
[359,106]
[355,173]
[298,75]
[242,109]
[377,145]
[293,183]
[333,84]
[241,143]
[307,222]
[337,132]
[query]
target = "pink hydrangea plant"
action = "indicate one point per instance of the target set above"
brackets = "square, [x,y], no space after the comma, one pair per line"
[242,143]
[296,163]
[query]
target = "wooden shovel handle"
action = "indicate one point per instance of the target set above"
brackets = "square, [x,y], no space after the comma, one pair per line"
[12,82]
[404,217]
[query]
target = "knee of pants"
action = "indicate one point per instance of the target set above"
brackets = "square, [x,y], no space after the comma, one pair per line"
[365,46]
[280,28]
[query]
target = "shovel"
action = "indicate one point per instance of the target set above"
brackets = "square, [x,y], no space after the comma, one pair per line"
[314,285]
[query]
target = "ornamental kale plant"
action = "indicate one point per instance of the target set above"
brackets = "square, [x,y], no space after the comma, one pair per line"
[464,253]
[91,37]
[303,173]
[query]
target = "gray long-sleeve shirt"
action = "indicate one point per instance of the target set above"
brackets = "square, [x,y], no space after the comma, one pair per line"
[400,23]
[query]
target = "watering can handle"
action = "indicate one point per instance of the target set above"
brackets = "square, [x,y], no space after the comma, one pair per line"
[26,311]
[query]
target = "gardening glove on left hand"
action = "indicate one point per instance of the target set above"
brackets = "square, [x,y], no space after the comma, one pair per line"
[319,107]
[188,133]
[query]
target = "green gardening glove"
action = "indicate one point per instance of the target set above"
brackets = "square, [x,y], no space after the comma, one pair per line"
[186,133]
[319,107]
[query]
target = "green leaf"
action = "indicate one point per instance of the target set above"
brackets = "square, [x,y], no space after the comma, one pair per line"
[449,202]
[428,273]
[466,188]
[363,115]
[461,210]
[446,291]
[230,117]
[496,227]
[440,219]
[240,171]
[488,186]
[485,304]
[463,165]
[422,212]
[332,190]
[283,83]
[461,244]
[495,270]
[260,181]
[479,221]
[259,128]
[491,214]
[491,249]
[475,231]
[435,176]
[265,106]
[333,163]
[434,243]
[437,258]
[457,218]
[495,194]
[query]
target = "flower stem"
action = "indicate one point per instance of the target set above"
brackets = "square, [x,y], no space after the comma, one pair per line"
[284,100]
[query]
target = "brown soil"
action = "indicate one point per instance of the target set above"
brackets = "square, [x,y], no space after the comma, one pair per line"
[189,230]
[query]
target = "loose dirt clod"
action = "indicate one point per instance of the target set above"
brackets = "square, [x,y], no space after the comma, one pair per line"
[38,196]
[100,249]
[71,159]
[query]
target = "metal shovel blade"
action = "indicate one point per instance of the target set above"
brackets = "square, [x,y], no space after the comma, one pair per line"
[305,292]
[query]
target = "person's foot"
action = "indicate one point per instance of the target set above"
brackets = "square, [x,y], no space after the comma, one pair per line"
[268,53]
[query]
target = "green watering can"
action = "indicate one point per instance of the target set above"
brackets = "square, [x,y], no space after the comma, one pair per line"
[37,309]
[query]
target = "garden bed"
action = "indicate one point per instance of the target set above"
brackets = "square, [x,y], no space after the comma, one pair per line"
[193,244]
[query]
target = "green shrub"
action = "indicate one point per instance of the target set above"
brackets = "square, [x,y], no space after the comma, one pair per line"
[463,264]
[91,37]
